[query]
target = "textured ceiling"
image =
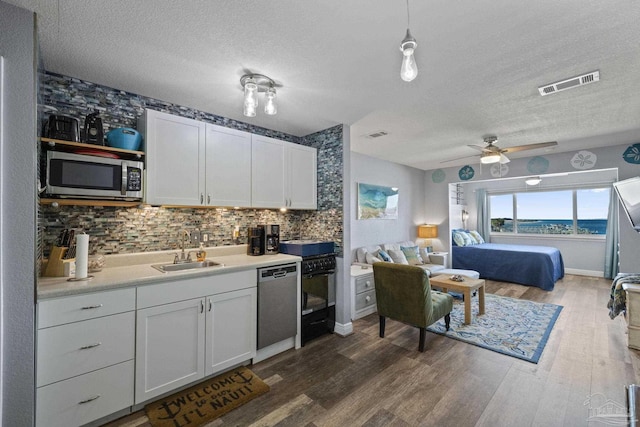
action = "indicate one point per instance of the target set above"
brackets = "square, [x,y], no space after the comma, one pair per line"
[480,64]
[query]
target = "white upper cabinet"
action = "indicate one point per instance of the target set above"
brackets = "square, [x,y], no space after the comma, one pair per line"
[302,177]
[267,172]
[190,163]
[175,159]
[283,174]
[228,167]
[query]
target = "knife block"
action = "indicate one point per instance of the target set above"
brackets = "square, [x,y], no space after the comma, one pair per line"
[57,266]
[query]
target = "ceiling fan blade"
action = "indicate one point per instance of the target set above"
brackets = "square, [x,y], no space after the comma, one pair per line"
[479,148]
[504,159]
[528,147]
[459,158]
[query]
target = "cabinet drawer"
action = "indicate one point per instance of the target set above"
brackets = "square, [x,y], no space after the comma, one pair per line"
[59,311]
[85,398]
[106,341]
[364,283]
[197,287]
[365,299]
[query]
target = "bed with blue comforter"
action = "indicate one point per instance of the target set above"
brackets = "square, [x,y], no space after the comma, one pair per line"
[539,266]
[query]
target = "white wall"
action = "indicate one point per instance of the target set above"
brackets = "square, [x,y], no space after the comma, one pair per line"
[437,196]
[411,205]
[17,216]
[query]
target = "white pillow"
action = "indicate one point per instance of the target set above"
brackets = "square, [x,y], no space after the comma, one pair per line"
[477,236]
[398,257]
[424,254]
[372,258]
[361,254]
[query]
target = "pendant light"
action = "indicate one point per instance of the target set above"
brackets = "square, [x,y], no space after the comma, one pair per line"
[270,107]
[250,97]
[409,69]
[253,84]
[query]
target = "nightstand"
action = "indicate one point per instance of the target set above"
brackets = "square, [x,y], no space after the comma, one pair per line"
[439,258]
[633,314]
[363,292]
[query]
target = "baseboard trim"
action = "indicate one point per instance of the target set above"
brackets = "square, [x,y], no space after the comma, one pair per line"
[579,272]
[343,329]
[273,349]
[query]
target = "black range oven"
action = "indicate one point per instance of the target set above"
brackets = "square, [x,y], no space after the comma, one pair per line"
[318,295]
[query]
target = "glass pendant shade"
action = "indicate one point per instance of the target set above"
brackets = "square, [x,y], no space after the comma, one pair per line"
[250,98]
[270,106]
[249,110]
[409,69]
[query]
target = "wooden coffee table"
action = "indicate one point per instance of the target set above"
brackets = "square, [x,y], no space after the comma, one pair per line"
[467,287]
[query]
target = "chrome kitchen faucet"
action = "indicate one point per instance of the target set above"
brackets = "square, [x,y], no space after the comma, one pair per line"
[182,258]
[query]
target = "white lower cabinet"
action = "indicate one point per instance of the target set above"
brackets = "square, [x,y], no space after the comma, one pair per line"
[169,347]
[231,329]
[85,352]
[181,342]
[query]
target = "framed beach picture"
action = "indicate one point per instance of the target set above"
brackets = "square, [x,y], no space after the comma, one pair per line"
[377,202]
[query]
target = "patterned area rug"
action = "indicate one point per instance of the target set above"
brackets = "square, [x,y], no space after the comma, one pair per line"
[514,327]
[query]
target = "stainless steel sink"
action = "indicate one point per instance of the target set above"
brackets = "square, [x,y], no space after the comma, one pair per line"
[165,268]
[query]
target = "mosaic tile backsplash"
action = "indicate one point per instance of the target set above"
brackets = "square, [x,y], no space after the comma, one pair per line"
[117,230]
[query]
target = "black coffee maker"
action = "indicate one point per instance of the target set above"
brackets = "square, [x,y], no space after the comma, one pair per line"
[255,243]
[272,239]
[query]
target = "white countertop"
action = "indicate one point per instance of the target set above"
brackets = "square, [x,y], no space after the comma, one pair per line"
[135,270]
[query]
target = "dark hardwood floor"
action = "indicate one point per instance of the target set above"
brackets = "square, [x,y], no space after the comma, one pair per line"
[363,380]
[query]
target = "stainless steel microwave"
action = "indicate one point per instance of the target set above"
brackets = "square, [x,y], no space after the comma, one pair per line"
[79,175]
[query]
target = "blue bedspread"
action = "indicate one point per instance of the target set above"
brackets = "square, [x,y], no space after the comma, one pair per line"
[539,266]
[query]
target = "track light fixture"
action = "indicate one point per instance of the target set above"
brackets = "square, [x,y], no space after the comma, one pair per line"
[253,84]
[409,69]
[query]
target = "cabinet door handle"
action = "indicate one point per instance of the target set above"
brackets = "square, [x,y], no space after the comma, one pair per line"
[91,307]
[208,199]
[201,306]
[88,346]
[91,399]
[367,284]
[367,298]
[201,198]
[210,304]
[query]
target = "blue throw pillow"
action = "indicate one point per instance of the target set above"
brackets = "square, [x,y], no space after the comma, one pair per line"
[384,256]
[458,239]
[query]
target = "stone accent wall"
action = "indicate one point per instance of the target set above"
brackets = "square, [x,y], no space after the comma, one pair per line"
[116,230]
[328,219]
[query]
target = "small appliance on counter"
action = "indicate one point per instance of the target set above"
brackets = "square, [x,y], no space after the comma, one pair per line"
[255,244]
[272,239]
[93,130]
[62,127]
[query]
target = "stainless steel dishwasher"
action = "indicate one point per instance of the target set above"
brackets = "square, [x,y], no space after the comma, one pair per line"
[277,304]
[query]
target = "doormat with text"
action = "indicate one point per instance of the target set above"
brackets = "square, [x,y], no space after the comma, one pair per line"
[206,401]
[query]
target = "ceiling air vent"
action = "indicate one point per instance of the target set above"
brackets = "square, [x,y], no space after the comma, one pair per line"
[377,134]
[570,83]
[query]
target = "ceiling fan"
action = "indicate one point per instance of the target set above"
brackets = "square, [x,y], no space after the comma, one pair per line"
[491,153]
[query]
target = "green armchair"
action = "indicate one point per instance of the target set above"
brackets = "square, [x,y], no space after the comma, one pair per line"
[403,293]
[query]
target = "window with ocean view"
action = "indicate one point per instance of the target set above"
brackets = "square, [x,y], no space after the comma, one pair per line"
[567,212]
